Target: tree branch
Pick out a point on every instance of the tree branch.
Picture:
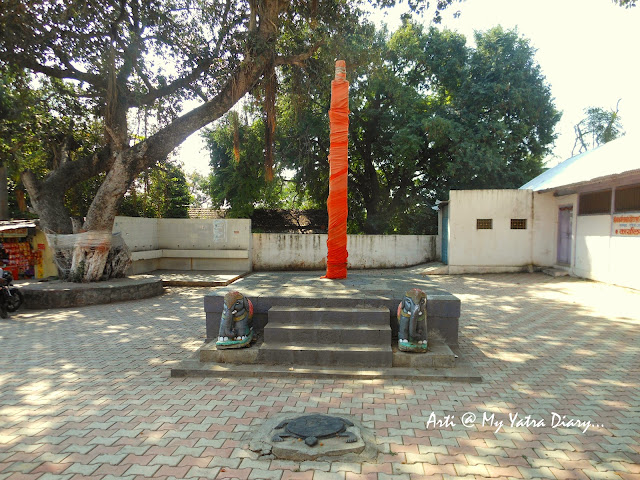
(73, 73)
(298, 59)
(168, 138)
(180, 83)
(71, 173)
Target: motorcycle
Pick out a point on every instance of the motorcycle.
(11, 298)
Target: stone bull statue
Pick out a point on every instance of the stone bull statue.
(236, 326)
(412, 322)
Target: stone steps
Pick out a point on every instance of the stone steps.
(326, 355)
(439, 364)
(327, 336)
(555, 272)
(286, 315)
(301, 333)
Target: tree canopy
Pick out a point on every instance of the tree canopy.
(599, 126)
(130, 59)
(429, 114)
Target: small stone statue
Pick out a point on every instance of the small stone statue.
(311, 428)
(236, 326)
(412, 322)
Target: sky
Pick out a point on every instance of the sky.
(587, 50)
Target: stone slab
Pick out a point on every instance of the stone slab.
(438, 355)
(328, 449)
(245, 363)
(337, 334)
(198, 278)
(193, 368)
(352, 315)
(360, 356)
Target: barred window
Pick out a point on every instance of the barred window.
(595, 202)
(518, 224)
(484, 223)
(628, 199)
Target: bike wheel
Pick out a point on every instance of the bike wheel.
(15, 301)
(3, 310)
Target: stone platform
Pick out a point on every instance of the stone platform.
(429, 366)
(61, 294)
(439, 355)
(310, 327)
(362, 288)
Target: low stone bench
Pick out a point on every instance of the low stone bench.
(170, 259)
(146, 255)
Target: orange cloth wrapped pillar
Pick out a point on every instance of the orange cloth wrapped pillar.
(338, 167)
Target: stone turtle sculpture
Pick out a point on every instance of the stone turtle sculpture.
(412, 322)
(236, 326)
(311, 428)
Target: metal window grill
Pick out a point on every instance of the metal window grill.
(484, 223)
(518, 224)
(594, 203)
(628, 199)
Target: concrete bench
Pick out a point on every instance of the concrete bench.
(146, 255)
(205, 253)
(170, 259)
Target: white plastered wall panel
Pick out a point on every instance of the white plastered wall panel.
(498, 246)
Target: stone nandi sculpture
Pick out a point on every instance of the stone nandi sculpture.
(412, 322)
(236, 326)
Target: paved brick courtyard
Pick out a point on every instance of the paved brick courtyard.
(86, 393)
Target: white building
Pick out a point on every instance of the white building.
(582, 216)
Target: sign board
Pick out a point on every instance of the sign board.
(219, 231)
(626, 224)
(15, 233)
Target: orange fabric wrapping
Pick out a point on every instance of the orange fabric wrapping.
(338, 167)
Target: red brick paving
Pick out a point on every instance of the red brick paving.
(86, 385)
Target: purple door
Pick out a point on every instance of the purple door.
(565, 219)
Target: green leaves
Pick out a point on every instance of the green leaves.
(599, 126)
(160, 192)
(428, 114)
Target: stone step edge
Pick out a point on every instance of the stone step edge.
(363, 309)
(346, 347)
(326, 326)
(193, 368)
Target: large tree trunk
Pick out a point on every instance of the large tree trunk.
(92, 255)
(96, 256)
(88, 253)
(47, 198)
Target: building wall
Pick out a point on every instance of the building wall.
(499, 246)
(624, 262)
(280, 251)
(138, 233)
(275, 251)
(142, 234)
(545, 226)
(204, 234)
(603, 257)
(595, 253)
(592, 247)
(267, 251)
(198, 235)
